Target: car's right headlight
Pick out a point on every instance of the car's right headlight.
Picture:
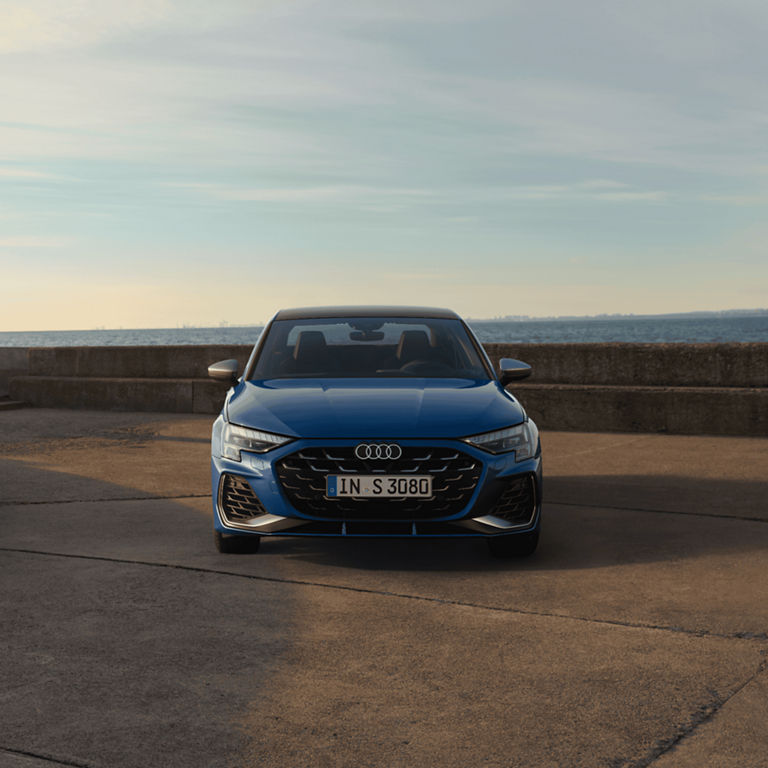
(522, 439)
(235, 438)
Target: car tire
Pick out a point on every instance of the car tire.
(236, 545)
(518, 545)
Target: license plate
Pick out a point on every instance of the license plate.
(378, 486)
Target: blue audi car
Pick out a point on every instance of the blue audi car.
(374, 422)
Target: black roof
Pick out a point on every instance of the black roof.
(302, 313)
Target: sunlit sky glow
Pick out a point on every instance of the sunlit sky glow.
(168, 162)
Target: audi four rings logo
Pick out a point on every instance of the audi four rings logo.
(378, 451)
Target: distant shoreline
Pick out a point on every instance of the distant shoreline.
(703, 315)
(725, 313)
(692, 329)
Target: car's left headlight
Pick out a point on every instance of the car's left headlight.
(521, 439)
(235, 438)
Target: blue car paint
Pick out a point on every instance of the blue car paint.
(374, 408)
(344, 412)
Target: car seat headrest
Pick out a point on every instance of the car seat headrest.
(413, 345)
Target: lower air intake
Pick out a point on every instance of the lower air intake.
(517, 501)
(237, 500)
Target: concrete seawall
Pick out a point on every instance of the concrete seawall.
(719, 389)
(689, 389)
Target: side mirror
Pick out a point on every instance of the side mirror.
(224, 370)
(513, 370)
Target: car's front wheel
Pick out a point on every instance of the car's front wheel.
(517, 545)
(236, 545)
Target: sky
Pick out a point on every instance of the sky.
(199, 162)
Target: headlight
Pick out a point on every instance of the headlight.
(235, 438)
(521, 439)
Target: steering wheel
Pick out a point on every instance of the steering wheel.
(416, 367)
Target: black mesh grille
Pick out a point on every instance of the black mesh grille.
(237, 500)
(517, 501)
(454, 477)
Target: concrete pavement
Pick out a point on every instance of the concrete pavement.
(636, 636)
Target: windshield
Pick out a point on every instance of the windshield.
(366, 347)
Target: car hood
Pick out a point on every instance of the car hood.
(371, 408)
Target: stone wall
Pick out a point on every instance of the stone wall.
(677, 388)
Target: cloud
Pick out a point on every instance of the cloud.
(34, 25)
(300, 85)
(300, 195)
(596, 190)
(26, 174)
(739, 200)
(632, 197)
(367, 196)
(34, 241)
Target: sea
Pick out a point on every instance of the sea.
(726, 328)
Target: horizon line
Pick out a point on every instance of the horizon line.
(755, 312)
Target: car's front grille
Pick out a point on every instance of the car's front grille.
(517, 501)
(454, 477)
(237, 500)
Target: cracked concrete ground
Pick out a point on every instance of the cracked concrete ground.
(635, 637)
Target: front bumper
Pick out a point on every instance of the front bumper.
(273, 514)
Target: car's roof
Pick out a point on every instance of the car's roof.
(301, 313)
